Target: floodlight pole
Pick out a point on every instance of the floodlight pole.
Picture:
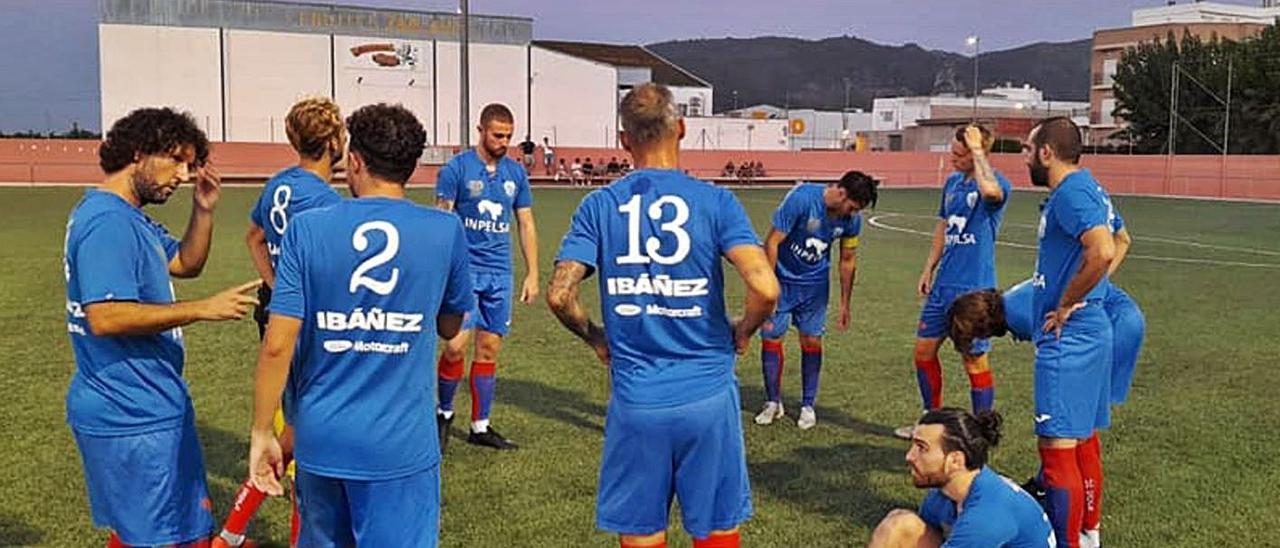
(465, 93)
(977, 49)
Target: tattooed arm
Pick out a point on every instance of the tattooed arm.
(982, 171)
(562, 297)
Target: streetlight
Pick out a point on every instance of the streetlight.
(975, 43)
(735, 99)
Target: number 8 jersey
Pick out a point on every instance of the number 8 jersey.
(656, 238)
(362, 386)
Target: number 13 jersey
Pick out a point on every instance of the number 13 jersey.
(656, 237)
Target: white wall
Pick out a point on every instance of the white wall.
(826, 129)
(498, 75)
(267, 72)
(574, 100)
(734, 134)
(690, 98)
(146, 66)
(359, 80)
(898, 113)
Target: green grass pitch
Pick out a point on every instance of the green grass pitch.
(1191, 459)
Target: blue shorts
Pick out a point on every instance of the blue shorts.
(149, 488)
(398, 512)
(805, 305)
(1073, 376)
(492, 312)
(693, 451)
(1129, 327)
(933, 316)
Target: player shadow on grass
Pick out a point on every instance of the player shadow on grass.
(13, 532)
(226, 465)
(753, 401)
(569, 407)
(834, 481)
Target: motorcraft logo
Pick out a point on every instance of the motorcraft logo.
(338, 346)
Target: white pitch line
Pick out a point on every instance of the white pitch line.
(1250, 250)
(878, 223)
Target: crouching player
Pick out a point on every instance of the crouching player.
(810, 219)
(968, 504)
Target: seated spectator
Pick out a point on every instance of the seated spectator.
(576, 171)
(626, 166)
(562, 172)
(527, 147)
(614, 168)
(730, 170)
(758, 171)
(588, 172)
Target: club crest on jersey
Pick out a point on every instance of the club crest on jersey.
(971, 199)
(475, 187)
(814, 224)
(510, 188)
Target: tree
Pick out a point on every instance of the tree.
(1144, 80)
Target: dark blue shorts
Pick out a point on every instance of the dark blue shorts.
(933, 316)
(149, 488)
(693, 452)
(804, 305)
(398, 512)
(492, 311)
(1073, 376)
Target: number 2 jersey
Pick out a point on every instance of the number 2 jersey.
(368, 277)
(656, 238)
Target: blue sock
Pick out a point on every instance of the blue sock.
(810, 369)
(771, 360)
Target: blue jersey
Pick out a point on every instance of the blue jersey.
(1077, 205)
(657, 237)
(368, 277)
(122, 385)
(485, 201)
(286, 194)
(996, 513)
(804, 256)
(969, 250)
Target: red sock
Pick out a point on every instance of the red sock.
(295, 519)
(246, 504)
(726, 540)
(113, 541)
(1064, 493)
(1089, 456)
(929, 379)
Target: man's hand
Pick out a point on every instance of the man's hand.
(208, 188)
(973, 139)
(231, 304)
(842, 324)
(529, 289)
(925, 283)
(602, 351)
(1054, 321)
(266, 462)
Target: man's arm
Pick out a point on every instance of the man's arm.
(771, 243)
(529, 248)
(935, 255)
(127, 318)
(988, 185)
(193, 251)
(1099, 253)
(256, 240)
(562, 298)
(848, 271)
(762, 290)
(1122, 241)
(266, 461)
